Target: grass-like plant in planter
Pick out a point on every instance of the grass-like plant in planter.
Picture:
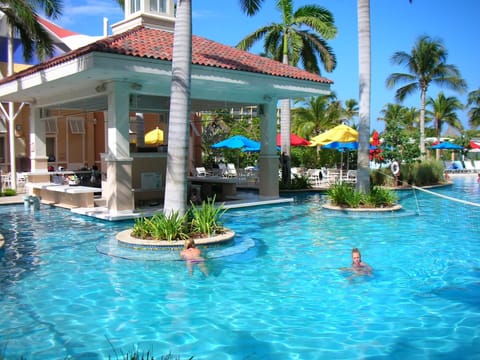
(345, 195)
(198, 221)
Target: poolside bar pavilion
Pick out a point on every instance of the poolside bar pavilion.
(128, 74)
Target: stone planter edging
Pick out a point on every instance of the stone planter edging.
(124, 238)
(339, 208)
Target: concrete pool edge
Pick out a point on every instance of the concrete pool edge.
(124, 238)
(347, 209)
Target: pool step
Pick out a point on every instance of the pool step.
(100, 202)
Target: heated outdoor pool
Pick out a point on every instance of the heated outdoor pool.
(277, 293)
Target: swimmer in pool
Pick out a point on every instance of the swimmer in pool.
(358, 265)
(193, 255)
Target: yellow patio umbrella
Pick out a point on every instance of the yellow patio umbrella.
(340, 133)
(154, 137)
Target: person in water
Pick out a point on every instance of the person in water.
(358, 265)
(193, 255)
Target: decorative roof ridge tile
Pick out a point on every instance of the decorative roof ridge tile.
(153, 43)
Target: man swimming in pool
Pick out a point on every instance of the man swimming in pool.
(193, 255)
(358, 265)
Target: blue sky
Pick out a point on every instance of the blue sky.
(395, 26)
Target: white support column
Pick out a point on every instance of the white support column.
(38, 143)
(268, 158)
(38, 148)
(118, 189)
(140, 129)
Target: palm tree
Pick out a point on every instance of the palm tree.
(474, 104)
(444, 110)
(364, 69)
(406, 118)
(21, 16)
(175, 184)
(350, 110)
(426, 64)
(363, 159)
(291, 42)
(178, 125)
(316, 117)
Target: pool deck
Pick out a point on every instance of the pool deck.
(241, 200)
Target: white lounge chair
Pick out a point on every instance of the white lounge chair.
(351, 176)
(201, 171)
(469, 166)
(477, 165)
(231, 170)
(314, 177)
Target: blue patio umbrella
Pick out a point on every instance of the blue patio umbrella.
(344, 146)
(237, 142)
(447, 146)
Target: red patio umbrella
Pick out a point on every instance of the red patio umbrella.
(375, 154)
(295, 140)
(474, 145)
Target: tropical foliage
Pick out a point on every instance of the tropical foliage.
(444, 110)
(22, 17)
(474, 111)
(291, 38)
(345, 195)
(205, 219)
(401, 135)
(297, 183)
(299, 38)
(161, 227)
(317, 114)
(427, 65)
(198, 221)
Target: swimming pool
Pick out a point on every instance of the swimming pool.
(283, 298)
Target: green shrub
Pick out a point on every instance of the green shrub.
(199, 220)
(297, 183)
(205, 219)
(345, 195)
(428, 172)
(379, 197)
(9, 192)
(378, 177)
(161, 226)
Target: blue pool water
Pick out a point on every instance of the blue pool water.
(277, 293)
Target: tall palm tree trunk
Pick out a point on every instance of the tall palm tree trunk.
(285, 129)
(363, 169)
(11, 115)
(178, 128)
(422, 122)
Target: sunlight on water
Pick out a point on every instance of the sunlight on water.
(276, 292)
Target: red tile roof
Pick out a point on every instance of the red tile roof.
(158, 44)
(57, 30)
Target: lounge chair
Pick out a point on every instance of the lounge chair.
(459, 166)
(477, 165)
(200, 171)
(223, 169)
(314, 177)
(351, 176)
(469, 166)
(231, 170)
